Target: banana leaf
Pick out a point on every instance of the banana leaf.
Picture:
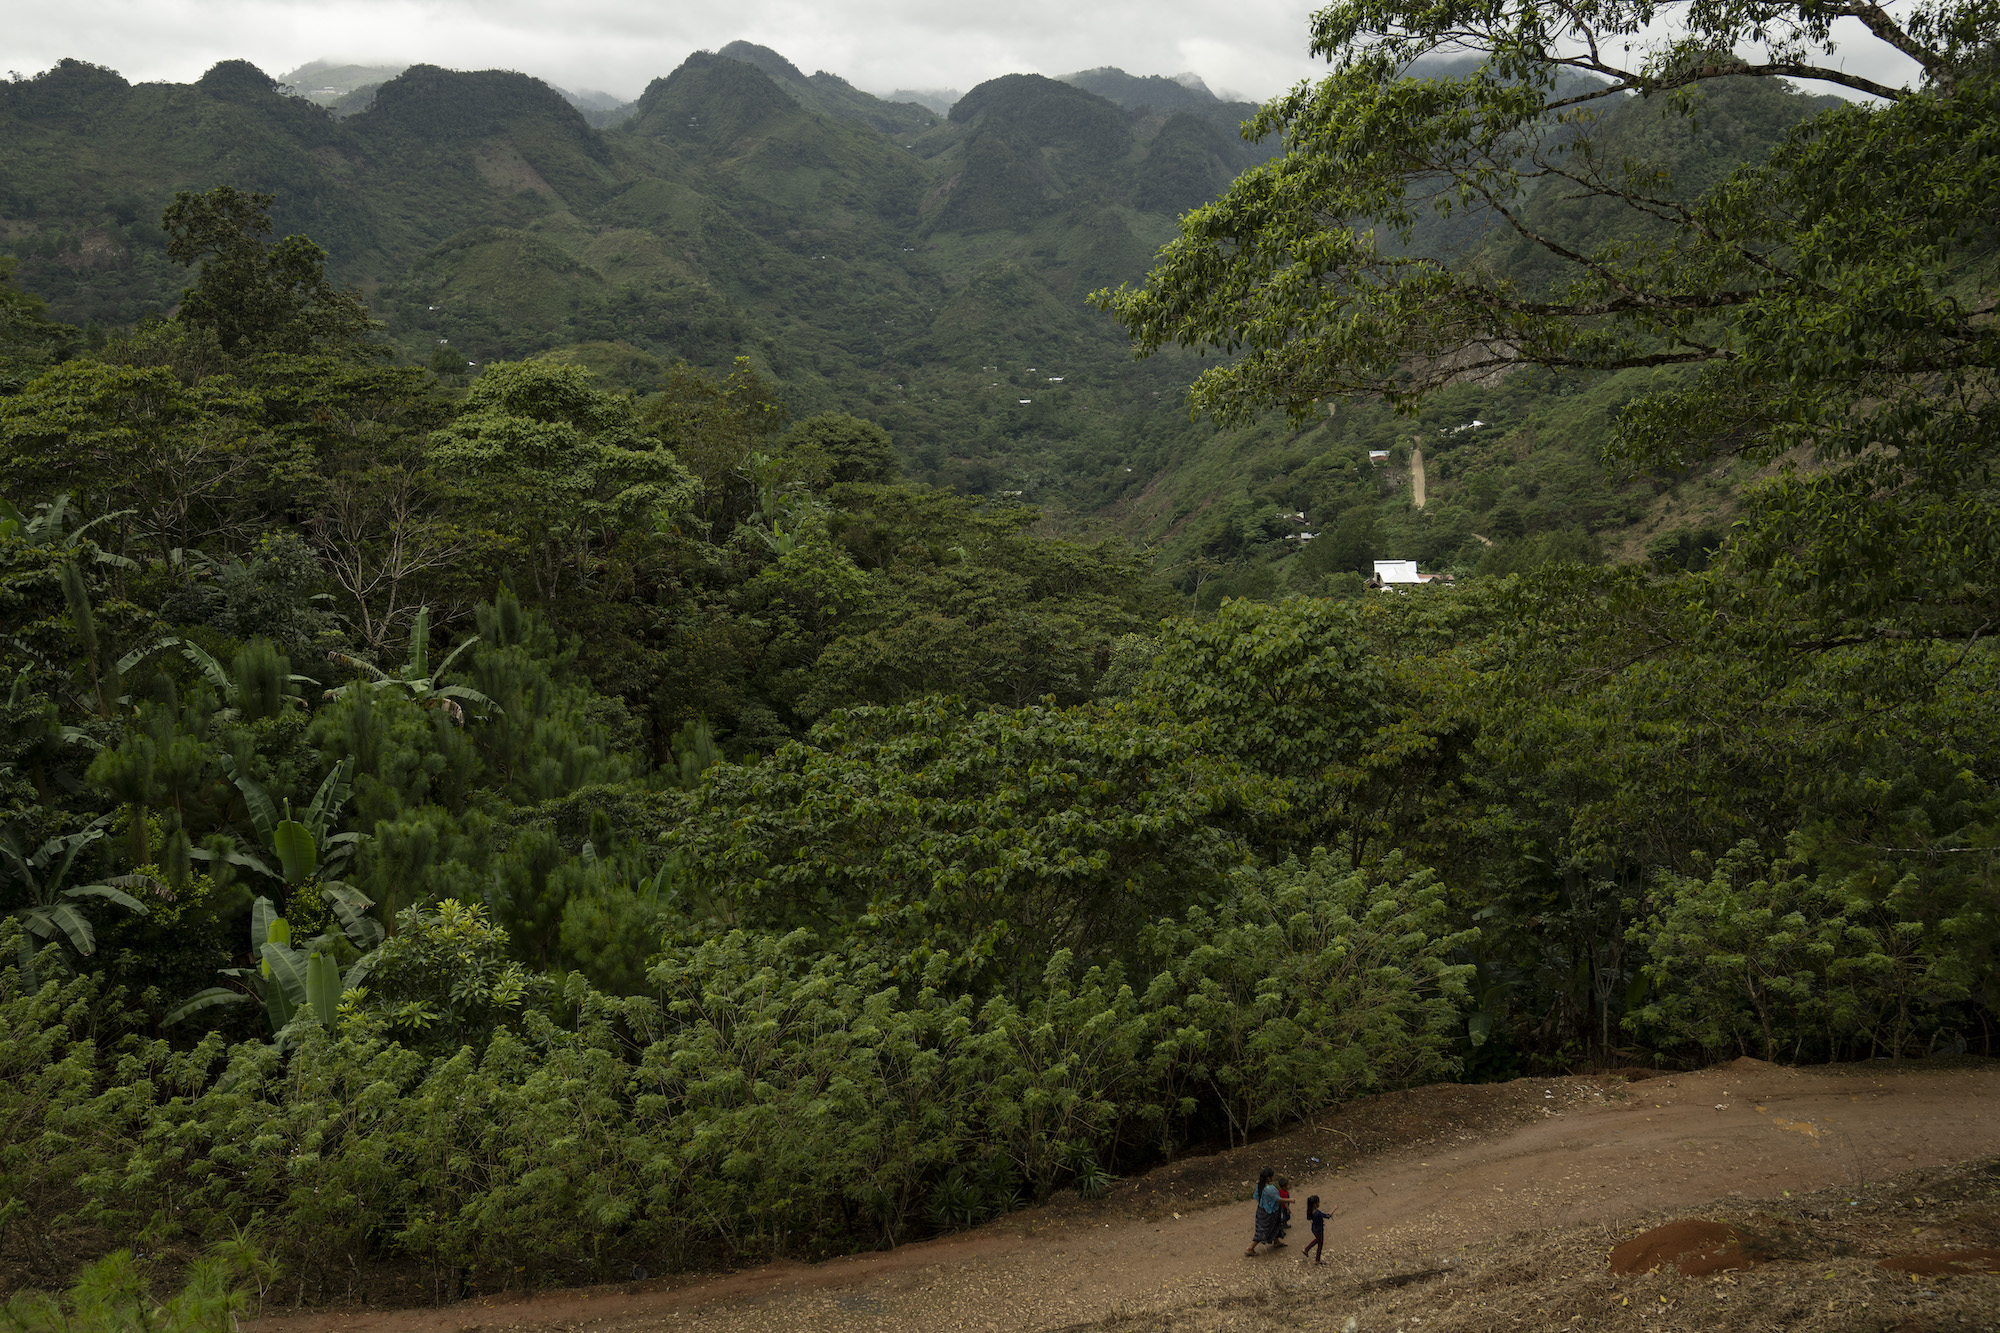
(47, 922)
(285, 990)
(334, 789)
(119, 896)
(359, 972)
(323, 988)
(352, 908)
(297, 850)
(207, 999)
(262, 913)
(263, 814)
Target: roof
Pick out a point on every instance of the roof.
(1397, 571)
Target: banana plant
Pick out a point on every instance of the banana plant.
(42, 877)
(50, 530)
(292, 981)
(234, 692)
(416, 678)
(302, 843)
(36, 735)
(51, 524)
(306, 851)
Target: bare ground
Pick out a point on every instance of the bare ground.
(1458, 1208)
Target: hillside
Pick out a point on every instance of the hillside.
(925, 271)
(1449, 1202)
(506, 787)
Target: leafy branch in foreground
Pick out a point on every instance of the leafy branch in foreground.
(1832, 301)
(1306, 264)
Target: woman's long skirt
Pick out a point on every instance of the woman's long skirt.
(1270, 1226)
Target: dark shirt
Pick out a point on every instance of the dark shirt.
(1318, 1218)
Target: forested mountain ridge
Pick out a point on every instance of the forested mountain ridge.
(481, 209)
(832, 94)
(874, 258)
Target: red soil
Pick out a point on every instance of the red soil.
(1695, 1247)
(1946, 1263)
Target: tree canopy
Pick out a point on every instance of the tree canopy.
(255, 296)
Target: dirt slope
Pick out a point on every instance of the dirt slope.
(1423, 1181)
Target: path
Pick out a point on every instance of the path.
(1598, 1152)
(1417, 475)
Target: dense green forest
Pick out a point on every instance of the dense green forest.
(631, 801)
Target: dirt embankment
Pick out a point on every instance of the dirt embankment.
(1482, 1207)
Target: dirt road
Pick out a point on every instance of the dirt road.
(1417, 480)
(1578, 1150)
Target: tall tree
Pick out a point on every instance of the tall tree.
(258, 297)
(29, 339)
(560, 465)
(1833, 299)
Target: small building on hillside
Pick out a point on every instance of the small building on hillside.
(1379, 457)
(1394, 573)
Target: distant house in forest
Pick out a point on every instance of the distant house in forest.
(1378, 456)
(1390, 573)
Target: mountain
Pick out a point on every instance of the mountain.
(928, 272)
(832, 95)
(327, 82)
(1184, 94)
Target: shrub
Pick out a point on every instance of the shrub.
(1767, 954)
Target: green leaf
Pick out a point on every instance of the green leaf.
(73, 924)
(286, 967)
(262, 914)
(352, 907)
(206, 999)
(334, 789)
(297, 851)
(323, 988)
(263, 814)
(119, 896)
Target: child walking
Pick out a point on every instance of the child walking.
(1316, 1216)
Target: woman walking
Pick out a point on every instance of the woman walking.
(1270, 1215)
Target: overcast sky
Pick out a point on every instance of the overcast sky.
(1253, 47)
(1256, 47)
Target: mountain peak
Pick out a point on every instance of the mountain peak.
(237, 77)
(447, 103)
(712, 100)
(829, 94)
(764, 58)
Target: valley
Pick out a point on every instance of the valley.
(929, 272)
